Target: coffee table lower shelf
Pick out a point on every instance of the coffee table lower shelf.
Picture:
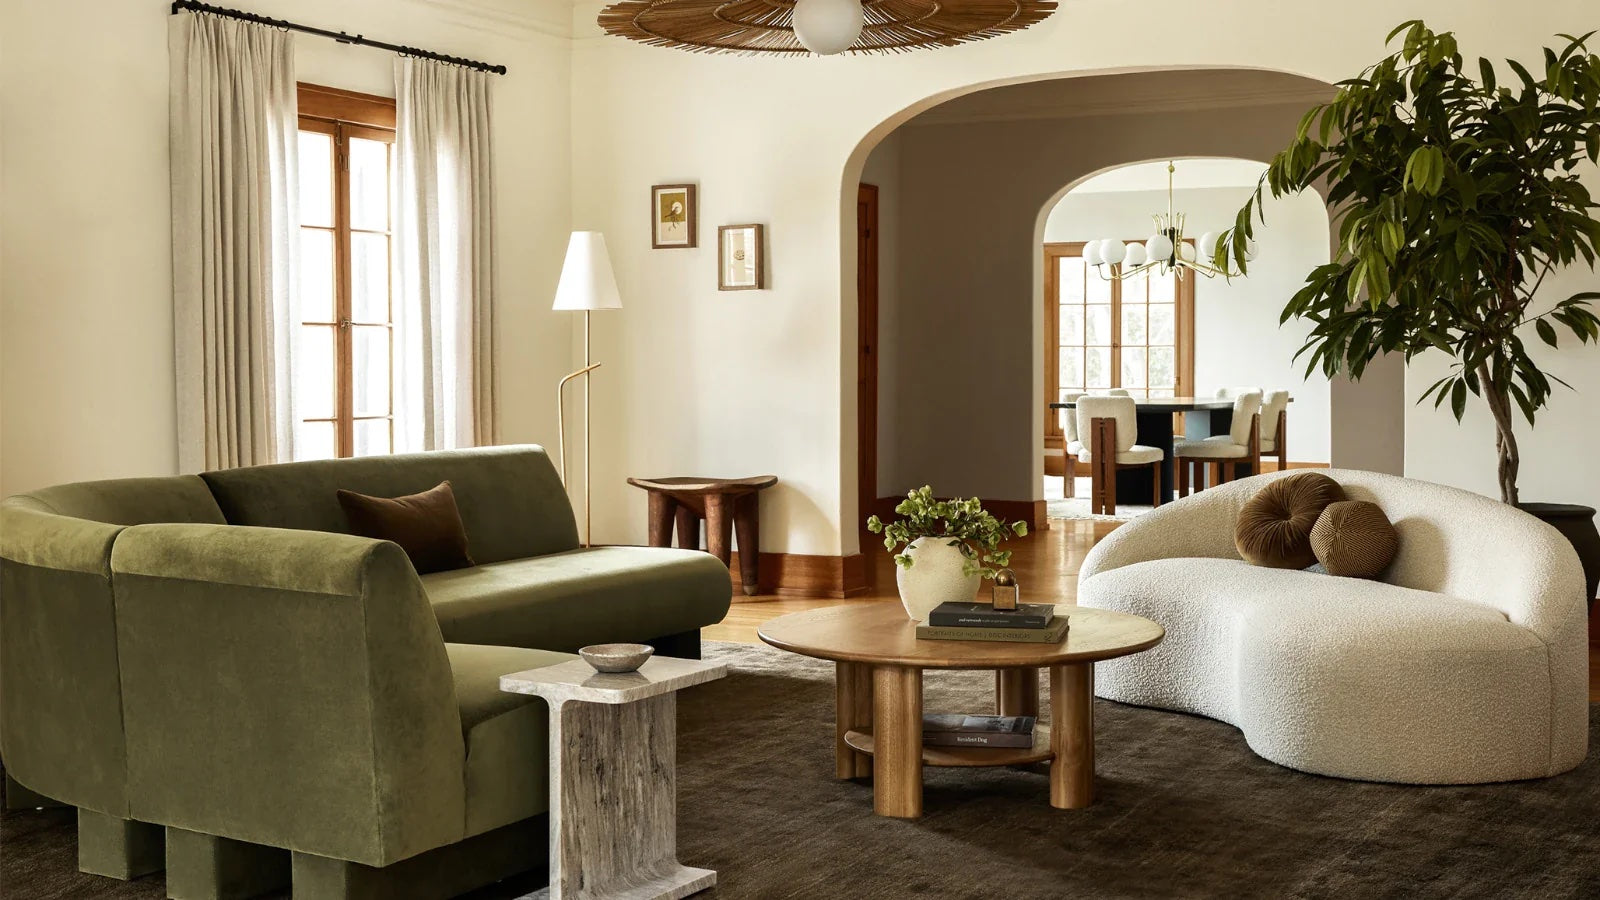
(970, 756)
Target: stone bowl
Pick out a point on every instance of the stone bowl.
(616, 658)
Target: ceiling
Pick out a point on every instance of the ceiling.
(1167, 90)
(1189, 174)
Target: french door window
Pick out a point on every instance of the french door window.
(1136, 334)
(344, 351)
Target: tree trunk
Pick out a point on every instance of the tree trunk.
(1505, 439)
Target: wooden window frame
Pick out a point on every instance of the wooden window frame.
(1183, 340)
(344, 115)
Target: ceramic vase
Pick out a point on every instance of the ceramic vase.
(935, 576)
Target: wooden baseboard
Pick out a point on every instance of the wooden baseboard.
(802, 575)
(1271, 465)
(1034, 512)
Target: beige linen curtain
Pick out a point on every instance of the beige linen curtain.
(233, 135)
(444, 322)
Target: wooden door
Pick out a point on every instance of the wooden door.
(867, 345)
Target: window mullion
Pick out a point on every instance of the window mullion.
(343, 368)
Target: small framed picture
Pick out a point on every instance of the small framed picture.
(674, 218)
(741, 258)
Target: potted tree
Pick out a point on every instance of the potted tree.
(1454, 195)
(948, 546)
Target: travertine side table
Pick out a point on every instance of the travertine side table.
(613, 778)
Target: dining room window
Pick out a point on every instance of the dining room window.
(344, 350)
(1136, 334)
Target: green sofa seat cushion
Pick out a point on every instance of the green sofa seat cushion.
(564, 601)
(507, 735)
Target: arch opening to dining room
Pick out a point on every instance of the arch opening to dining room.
(1177, 334)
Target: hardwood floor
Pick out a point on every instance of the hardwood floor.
(1046, 564)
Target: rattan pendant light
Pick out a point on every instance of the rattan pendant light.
(768, 26)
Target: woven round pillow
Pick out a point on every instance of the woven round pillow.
(1354, 538)
(1274, 526)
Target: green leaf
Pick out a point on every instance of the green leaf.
(1458, 399)
(1486, 72)
(1547, 332)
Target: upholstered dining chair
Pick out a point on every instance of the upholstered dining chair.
(1222, 453)
(1118, 392)
(1109, 429)
(1074, 445)
(1275, 427)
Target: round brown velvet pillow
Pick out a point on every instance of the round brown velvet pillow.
(1354, 538)
(1274, 527)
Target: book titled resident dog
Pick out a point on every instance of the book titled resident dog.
(947, 730)
(984, 615)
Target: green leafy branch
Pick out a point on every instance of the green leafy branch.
(964, 522)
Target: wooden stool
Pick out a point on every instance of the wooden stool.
(726, 504)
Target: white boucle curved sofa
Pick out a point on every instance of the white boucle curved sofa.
(1467, 663)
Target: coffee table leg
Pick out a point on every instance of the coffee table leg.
(897, 741)
(852, 691)
(1016, 692)
(1072, 735)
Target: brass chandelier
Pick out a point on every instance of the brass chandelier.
(1166, 251)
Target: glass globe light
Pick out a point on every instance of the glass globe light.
(1136, 255)
(1091, 254)
(1208, 244)
(1159, 247)
(1186, 251)
(827, 27)
(1112, 251)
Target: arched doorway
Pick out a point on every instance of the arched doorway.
(964, 189)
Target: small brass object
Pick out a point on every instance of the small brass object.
(1007, 594)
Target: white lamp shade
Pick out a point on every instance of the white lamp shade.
(1186, 251)
(1136, 255)
(1112, 251)
(827, 27)
(1091, 254)
(1159, 247)
(1208, 244)
(586, 278)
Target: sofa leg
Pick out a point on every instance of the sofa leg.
(206, 867)
(683, 645)
(117, 848)
(19, 797)
(447, 871)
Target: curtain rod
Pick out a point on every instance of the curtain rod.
(340, 36)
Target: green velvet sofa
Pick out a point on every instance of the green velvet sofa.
(229, 687)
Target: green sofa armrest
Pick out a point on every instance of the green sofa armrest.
(60, 708)
(287, 688)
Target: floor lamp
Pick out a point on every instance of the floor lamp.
(587, 284)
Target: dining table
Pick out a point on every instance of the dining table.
(1203, 417)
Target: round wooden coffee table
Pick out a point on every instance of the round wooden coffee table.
(878, 692)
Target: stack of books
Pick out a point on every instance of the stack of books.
(945, 730)
(1031, 623)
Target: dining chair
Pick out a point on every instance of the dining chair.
(1110, 429)
(1222, 453)
(1074, 445)
(1118, 392)
(1275, 427)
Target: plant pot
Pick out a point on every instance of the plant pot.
(1576, 523)
(935, 576)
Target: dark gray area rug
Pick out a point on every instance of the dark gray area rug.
(1184, 809)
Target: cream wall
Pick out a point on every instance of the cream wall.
(758, 382)
(86, 358)
(1238, 340)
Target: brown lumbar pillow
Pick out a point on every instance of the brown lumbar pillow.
(1354, 538)
(1274, 527)
(427, 525)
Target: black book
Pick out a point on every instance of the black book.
(977, 731)
(984, 615)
